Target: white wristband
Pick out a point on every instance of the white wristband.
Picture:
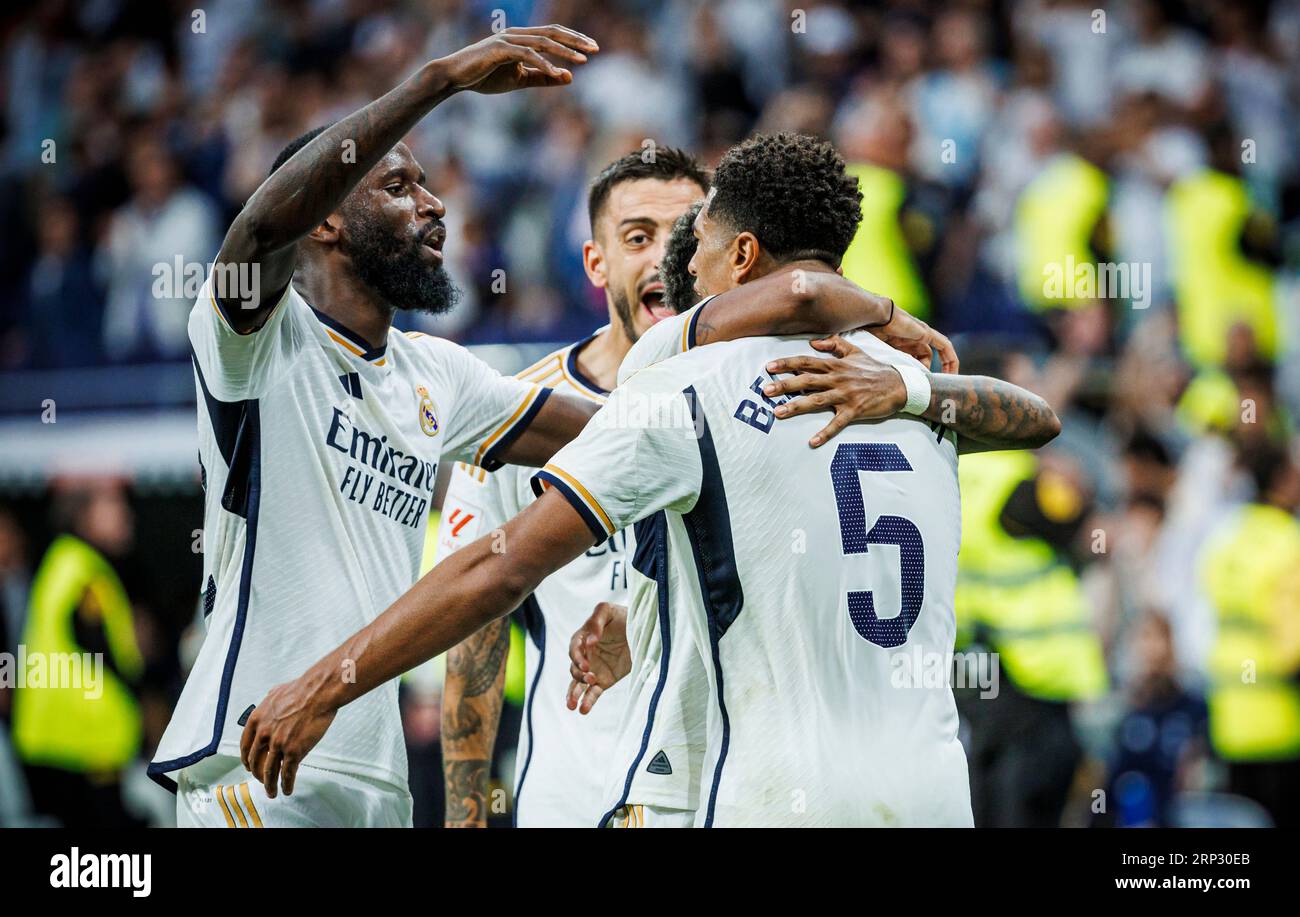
(917, 383)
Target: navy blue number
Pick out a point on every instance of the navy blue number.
(850, 458)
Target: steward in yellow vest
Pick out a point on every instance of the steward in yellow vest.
(881, 255)
(71, 711)
(1209, 216)
(1058, 216)
(1018, 596)
(1016, 590)
(1250, 572)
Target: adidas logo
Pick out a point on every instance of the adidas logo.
(659, 764)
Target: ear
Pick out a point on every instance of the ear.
(328, 231)
(593, 262)
(744, 256)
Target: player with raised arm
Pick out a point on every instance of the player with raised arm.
(321, 431)
(634, 464)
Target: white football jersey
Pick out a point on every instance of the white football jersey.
(816, 585)
(563, 757)
(319, 456)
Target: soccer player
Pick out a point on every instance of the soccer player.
(561, 762)
(321, 431)
(765, 554)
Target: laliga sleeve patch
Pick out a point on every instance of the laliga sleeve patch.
(459, 526)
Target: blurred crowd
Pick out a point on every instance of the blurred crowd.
(1100, 202)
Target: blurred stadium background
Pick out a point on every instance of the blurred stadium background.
(1156, 544)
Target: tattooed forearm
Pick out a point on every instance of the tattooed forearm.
(990, 414)
(466, 783)
(471, 712)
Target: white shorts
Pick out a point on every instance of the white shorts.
(218, 793)
(640, 816)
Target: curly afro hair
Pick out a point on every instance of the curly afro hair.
(679, 285)
(792, 192)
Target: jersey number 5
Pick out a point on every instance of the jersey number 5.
(851, 458)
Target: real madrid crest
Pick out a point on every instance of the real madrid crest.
(428, 422)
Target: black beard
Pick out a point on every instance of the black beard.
(623, 309)
(395, 269)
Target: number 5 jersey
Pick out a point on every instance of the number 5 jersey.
(791, 620)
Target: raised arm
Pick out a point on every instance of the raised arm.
(476, 585)
(299, 195)
(987, 414)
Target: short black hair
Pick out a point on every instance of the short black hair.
(664, 163)
(792, 192)
(296, 144)
(679, 285)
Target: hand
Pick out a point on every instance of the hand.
(914, 337)
(279, 733)
(513, 59)
(852, 384)
(598, 656)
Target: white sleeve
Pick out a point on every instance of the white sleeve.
(638, 455)
(476, 503)
(491, 410)
(234, 366)
(664, 339)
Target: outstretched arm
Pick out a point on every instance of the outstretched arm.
(986, 413)
(309, 187)
(472, 587)
(471, 714)
(560, 420)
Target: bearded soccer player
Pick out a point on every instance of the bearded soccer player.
(634, 463)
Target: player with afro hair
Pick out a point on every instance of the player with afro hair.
(792, 192)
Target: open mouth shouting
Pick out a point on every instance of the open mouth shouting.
(432, 240)
(652, 300)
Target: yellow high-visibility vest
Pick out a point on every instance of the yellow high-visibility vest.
(1019, 592)
(1216, 285)
(1055, 219)
(1248, 571)
(74, 724)
(879, 258)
